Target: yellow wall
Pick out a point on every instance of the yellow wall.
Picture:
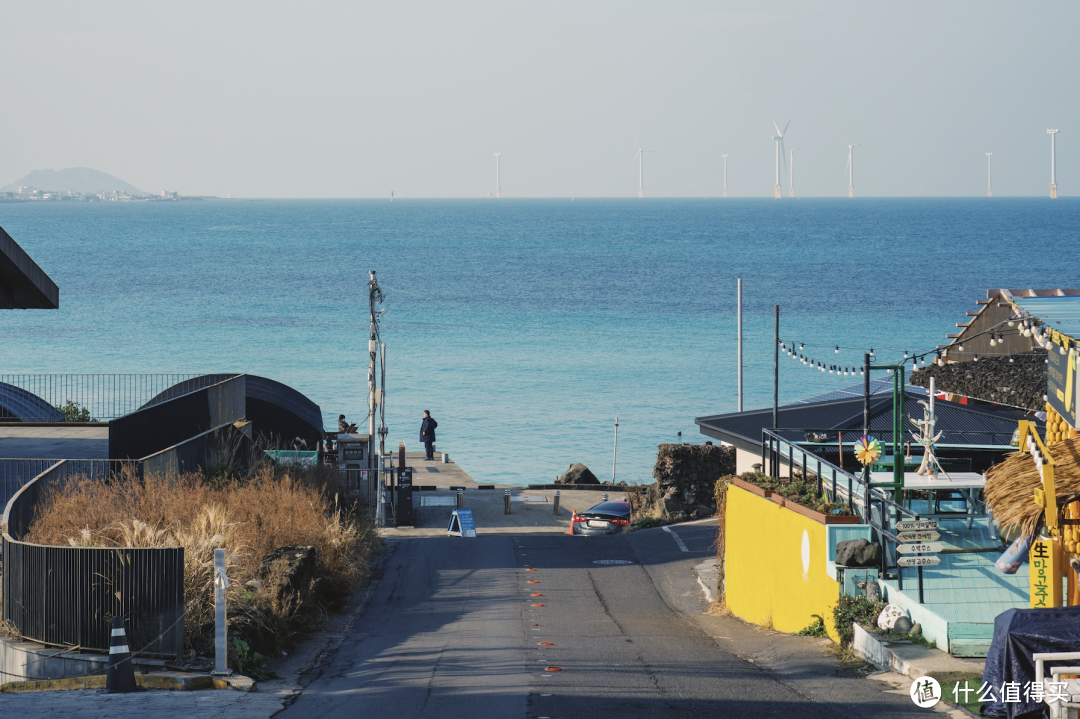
(764, 578)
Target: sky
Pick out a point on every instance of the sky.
(361, 99)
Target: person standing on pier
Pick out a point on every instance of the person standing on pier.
(427, 434)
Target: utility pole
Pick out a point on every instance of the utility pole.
(776, 371)
(615, 452)
(382, 406)
(725, 174)
(375, 295)
(740, 343)
(989, 184)
(1053, 164)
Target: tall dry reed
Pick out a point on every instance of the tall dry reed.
(248, 518)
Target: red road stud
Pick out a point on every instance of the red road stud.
(553, 669)
(545, 644)
(530, 569)
(537, 594)
(536, 625)
(533, 581)
(538, 605)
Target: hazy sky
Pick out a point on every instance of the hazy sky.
(357, 99)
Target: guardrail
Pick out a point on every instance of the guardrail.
(67, 596)
(37, 397)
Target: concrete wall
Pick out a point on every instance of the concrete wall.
(776, 565)
(20, 661)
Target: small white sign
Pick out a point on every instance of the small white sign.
(923, 548)
(917, 536)
(918, 561)
(919, 525)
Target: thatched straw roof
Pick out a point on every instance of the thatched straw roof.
(1010, 486)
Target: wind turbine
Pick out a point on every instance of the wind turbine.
(1053, 169)
(498, 190)
(779, 137)
(791, 173)
(989, 185)
(638, 157)
(850, 181)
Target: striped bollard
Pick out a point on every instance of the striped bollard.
(120, 675)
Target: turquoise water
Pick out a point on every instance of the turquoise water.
(525, 326)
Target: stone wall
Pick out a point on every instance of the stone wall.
(1020, 383)
(686, 477)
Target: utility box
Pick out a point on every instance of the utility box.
(354, 462)
(403, 509)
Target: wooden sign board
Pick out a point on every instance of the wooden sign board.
(917, 536)
(918, 561)
(923, 548)
(917, 525)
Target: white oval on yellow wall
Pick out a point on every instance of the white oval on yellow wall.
(805, 555)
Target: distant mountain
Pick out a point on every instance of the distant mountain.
(79, 179)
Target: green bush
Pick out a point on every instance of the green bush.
(75, 412)
(645, 523)
(850, 610)
(816, 628)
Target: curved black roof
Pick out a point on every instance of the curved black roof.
(18, 404)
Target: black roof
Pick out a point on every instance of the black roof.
(960, 424)
(23, 285)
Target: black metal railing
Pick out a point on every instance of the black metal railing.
(98, 397)
(875, 506)
(827, 437)
(67, 596)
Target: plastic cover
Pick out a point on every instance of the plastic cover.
(1018, 634)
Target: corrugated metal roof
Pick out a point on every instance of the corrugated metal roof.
(1060, 313)
(856, 390)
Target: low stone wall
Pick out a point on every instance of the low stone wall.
(686, 476)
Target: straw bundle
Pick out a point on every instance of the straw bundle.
(1010, 486)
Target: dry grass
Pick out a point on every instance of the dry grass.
(1010, 486)
(248, 518)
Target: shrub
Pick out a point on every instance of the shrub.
(645, 523)
(815, 628)
(850, 610)
(248, 518)
(75, 412)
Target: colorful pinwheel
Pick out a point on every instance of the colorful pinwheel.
(867, 450)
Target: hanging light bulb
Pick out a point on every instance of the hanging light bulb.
(993, 340)
(837, 349)
(905, 354)
(830, 369)
(976, 358)
(961, 348)
(1010, 359)
(871, 353)
(802, 346)
(862, 371)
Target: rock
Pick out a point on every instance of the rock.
(916, 631)
(288, 568)
(858, 553)
(902, 625)
(873, 591)
(578, 474)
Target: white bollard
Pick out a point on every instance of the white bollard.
(445, 458)
(221, 647)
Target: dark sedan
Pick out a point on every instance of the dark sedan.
(604, 518)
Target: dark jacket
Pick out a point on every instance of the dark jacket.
(427, 430)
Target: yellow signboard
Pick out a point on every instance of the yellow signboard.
(1045, 563)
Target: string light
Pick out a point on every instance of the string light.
(837, 349)
(976, 358)
(993, 340)
(802, 346)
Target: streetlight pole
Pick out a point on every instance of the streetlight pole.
(776, 371)
(740, 338)
(615, 452)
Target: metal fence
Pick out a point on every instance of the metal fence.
(67, 596)
(37, 397)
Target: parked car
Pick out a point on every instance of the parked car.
(604, 518)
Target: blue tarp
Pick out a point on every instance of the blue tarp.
(1019, 633)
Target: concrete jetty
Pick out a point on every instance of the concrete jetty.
(531, 510)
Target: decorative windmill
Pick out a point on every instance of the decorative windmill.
(926, 437)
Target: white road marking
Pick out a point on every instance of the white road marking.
(676, 538)
(708, 593)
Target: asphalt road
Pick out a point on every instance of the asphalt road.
(453, 630)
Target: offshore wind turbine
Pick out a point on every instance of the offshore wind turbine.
(791, 173)
(725, 174)
(850, 180)
(638, 157)
(1053, 163)
(779, 137)
(498, 189)
(989, 185)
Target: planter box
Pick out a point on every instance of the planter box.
(794, 506)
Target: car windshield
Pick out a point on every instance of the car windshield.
(619, 508)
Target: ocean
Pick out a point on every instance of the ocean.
(525, 326)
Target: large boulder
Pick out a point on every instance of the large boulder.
(578, 474)
(288, 569)
(858, 553)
